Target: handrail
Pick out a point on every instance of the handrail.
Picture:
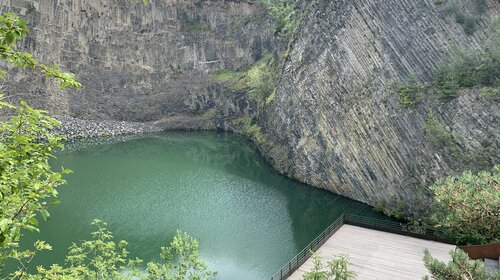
(304, 255)
(349, 219)
(395, 227)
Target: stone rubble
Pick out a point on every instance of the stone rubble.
(74, 128)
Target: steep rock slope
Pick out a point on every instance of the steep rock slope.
(335, 122)
(143, 62)
(338, 125)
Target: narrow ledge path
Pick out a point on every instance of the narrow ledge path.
(378, 255)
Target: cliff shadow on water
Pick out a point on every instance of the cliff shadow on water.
(215, 186)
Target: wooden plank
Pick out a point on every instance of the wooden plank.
(379, 255)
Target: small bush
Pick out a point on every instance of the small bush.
(469, 25)
(480, 6)
(451, 8)
(490, 93)
(411, 93)
(337, 269)
(468, 22)
(446, 82)
(437, 133)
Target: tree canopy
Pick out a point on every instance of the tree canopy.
(467, 208)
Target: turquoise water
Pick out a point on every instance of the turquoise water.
(248, 219)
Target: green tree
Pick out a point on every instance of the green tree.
(14, 28)
(27, 181)
(104, 258)
(466, 208)
(461, 267)
(336, 269)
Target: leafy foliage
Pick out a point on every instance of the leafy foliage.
(461, 267)
(251, 128)
(257, 81)
(437, 134)
(471, 68)
(12, 29)
(464, 69)
(467, 207)
(336, 269)
(464, 209)
(27, 181)
(181, 261)
(467, 19)
(285, 17)
(104, 258)
(490, 93)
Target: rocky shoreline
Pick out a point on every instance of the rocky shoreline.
(74, 128)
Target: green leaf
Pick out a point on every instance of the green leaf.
(31, 228)
(55, 201)
(45, 214)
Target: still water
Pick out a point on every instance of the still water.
(248, 219)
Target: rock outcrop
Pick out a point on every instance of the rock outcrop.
(338, 125)
(142, 63)
(335, 122)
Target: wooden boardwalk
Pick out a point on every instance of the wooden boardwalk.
(379, 255)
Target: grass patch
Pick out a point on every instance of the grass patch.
(250, 128)
(257, 81)
(490, 93)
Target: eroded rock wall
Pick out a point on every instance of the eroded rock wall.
(147, 63)
(338, 125)
(335, 123)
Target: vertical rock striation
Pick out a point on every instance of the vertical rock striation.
(148, 63)
(338, 125)
(336, 121)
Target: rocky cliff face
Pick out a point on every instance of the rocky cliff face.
(335, 122)
(148, 63)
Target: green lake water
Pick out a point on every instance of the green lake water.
(248, 219)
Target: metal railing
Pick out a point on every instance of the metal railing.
(304, 255)
(366, 222)
(395, 227)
